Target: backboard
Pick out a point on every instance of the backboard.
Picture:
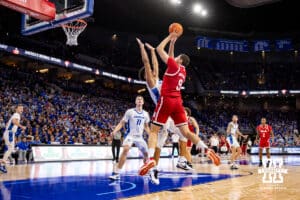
(66, 11)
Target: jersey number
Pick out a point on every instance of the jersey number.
(179, 84)
(138, 122)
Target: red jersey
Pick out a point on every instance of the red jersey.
(173, 79)
(264, 132)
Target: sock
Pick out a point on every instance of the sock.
(181, 159)
(117, 170)
(151, 152)
(201, 145)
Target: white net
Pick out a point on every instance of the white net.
(73, 30)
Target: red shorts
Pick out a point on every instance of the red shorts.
(189, 143)
(169, 107)
(264, 144)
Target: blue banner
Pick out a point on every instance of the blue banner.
(283, 45)
(261, 45)
(243, 45)
(222, 44)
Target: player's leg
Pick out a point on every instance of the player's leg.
(268, 156)
(10, 144)
(126, 147)
(260, 152)
(180, 120)
(152, 142)
(113, 149)
(189, 155)
(161, 140)
(160, 117)
(118, 150)
(183, 155)
(238, 153)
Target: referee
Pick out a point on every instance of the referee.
(116, 144)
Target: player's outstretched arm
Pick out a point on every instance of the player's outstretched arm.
(161, 47)
(154, 60)
(239, 133)
(146, 62)
(147, 128)
(118, 127)
(171, 47)
(16, 122)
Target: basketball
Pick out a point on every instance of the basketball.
(177, 28)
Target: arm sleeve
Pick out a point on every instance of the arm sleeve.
(172, 66)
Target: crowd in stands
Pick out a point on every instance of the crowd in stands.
(234, 76)
(60, 113)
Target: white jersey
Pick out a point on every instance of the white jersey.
(155, 91)
(136, 121)
(10, 127)
(233, 128)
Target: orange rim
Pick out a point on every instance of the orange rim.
(76, 27)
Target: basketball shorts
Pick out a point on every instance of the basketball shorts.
(264, 144)
(232, 141)
(138, 141)
(9, 138)
(169, 107)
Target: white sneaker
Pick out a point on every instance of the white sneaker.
(234, 166)
(183, 165)
(115, 176)
(153, 175)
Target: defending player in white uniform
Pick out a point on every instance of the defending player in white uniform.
(232, 134)
(137, 120)
(9, 135)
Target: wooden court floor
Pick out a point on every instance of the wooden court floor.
(218, 182)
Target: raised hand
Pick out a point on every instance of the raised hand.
(150, 47)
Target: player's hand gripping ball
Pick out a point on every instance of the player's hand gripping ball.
(176, 28)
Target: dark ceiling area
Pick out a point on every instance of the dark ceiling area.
(153, 17)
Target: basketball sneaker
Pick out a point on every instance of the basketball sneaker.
(183, 165)
(268, 164)
(153, 175)
(3, 169)
(115, 176)
(234, 166)
(189, 164)
(146, 167)
(260, 164)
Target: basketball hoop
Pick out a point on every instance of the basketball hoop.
(73, 30)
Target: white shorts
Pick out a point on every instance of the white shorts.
(174, 129)
(9, 139)
(232, 141)
(139, 142)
